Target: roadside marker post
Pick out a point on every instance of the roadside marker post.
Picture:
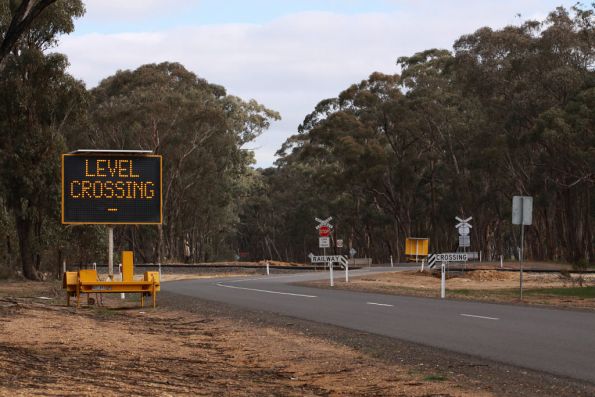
(330, 266)
(347, 272)
(422, 265)
(443, 281)
(501, 261)
(268, 271)
(391, 261)
(122, 295)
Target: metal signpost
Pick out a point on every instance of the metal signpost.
(443, 281)
(111, 187)
(445, 258)
(324, 228)
(522, 214)
(463, 227)
(330, 259)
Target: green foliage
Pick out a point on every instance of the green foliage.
(508, 112)
(578, 292)
(41, 98)
(200, 131)
(435, 378)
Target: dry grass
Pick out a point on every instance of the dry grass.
(53, 350)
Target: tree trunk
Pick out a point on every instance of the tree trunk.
(25, 247)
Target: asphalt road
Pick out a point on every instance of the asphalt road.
(560, 342)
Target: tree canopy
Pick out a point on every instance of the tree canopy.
(455, 133)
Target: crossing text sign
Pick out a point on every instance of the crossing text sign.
(111, 189)
(452, 257)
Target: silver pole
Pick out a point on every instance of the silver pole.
(522, 242)
(521, 256)
(110, 253)
(443, 281)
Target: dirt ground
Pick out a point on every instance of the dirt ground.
(490, 285)
(49, 349)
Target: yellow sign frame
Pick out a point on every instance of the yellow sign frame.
(115, 155)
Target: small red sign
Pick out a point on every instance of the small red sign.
(324, 231)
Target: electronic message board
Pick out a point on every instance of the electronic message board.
(111, 189)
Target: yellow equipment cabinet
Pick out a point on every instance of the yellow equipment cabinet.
(416, 247)
(86, 282)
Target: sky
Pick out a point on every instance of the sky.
(286, 54)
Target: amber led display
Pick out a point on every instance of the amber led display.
(111, 189)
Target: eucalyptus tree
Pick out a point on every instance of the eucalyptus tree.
(38, 101)
(200, 130)
(508, 112)
(16, 17)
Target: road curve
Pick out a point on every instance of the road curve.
(560, 342)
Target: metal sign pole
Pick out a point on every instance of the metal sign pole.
(522, 244)
(443, 281)
(522, 214)
(110, 252)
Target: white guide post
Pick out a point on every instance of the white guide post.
(422, 265)
(347, 272)
(330, 266)
(110, 253)
(123, 295)
(443, 281)
(268, 271)
(391, 261)
(501, 261)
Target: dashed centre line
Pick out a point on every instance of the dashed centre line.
(483, 317)
(379, 304)
(266, 291)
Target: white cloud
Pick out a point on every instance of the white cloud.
(290, 63)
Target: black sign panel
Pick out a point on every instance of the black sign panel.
(111, 189)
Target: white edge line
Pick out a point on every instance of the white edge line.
(379, 304)
(241, 280)
(266, 291)
(484, 317)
